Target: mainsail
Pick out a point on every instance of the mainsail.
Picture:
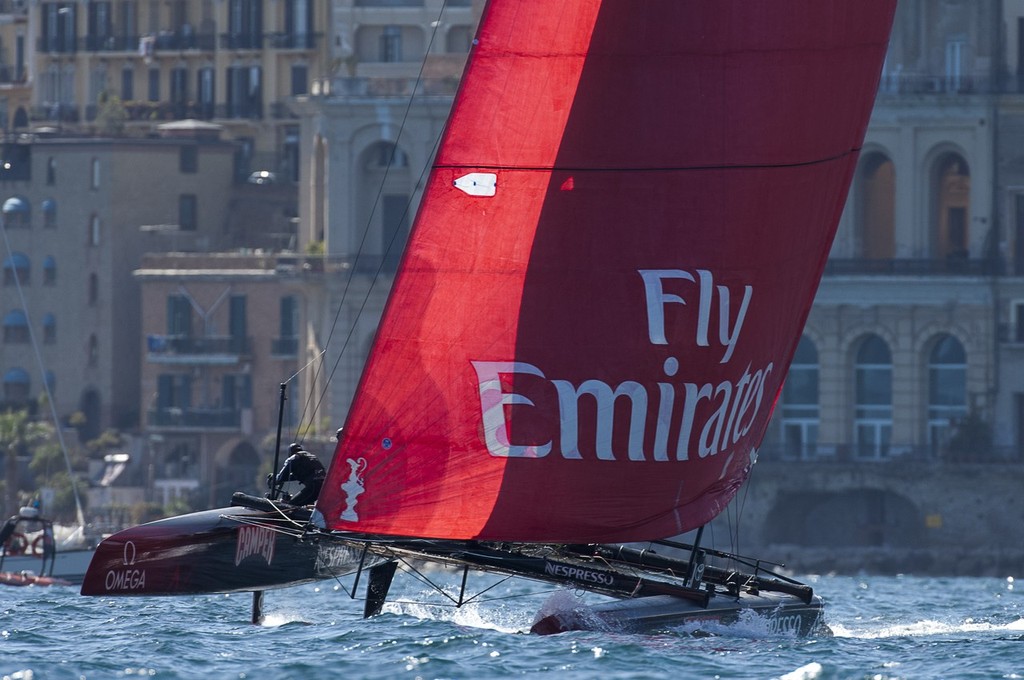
(615, 254)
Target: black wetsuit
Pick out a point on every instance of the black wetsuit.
(307, 469)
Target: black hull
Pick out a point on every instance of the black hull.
(781, 614)
(226, 550)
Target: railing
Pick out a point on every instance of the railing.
(387, 87)
(774, 452)
(914, 267)
(178, 41)
(284, 347)
(197, 345)
(174, 417)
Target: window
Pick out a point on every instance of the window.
(49, 271)
(300, 79)
(93, 359)
(395, 219)
(17, 213)
(51, 171)
(206, 93)
(16, 327)
(16, 384)
(187, 212)
(800, 411)
(238, 323)
(188, 158)
(179, 91)
(873, 398)
(245, 24)
(179, 316)
(154, 85)
(391, 44)
(17, 270)
(298, 24)
(947, 389)
(245, 92)
(94, 289)
(49, 213)
(173, 390)
(94, 174)
(49, 329)
(287, 342)
(95, 230)
(127, 82)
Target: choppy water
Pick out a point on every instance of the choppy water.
(885, 627)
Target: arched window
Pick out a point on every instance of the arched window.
(94, 174)
(49, 270)
(16, 384)
(94, 289)
(17, 269)
(16, 326)
(873, 398)
(51, 171)
(800, 411)
(952, 200)
(49, 329)
(875, 232)
(17, 212)
(947, 388)
(49, 207)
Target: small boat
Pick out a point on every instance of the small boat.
(31, 554)
(617, 248)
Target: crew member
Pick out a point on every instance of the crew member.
(305, 468)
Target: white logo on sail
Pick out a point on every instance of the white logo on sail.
(352, 488)
(478, 183)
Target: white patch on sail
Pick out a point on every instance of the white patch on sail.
(352, 488)
(725, 466)
(478, 183)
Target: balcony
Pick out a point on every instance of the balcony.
(294, 41)
(241, 41)
(177, 41)
(777, 453)
(387, 87)
(187, 418)
(914, 267)
(210, 349)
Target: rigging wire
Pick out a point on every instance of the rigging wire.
(79, 513)
(314, 408)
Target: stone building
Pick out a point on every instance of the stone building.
(78, 213)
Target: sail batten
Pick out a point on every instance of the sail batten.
(617, 248)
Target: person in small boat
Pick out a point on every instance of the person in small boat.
(307, 470)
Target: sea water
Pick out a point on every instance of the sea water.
(884, 627)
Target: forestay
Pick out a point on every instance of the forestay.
(614, 257)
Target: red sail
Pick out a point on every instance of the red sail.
(611, 267)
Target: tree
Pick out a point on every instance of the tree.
(18, 437)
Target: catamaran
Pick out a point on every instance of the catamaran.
(617, 248)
